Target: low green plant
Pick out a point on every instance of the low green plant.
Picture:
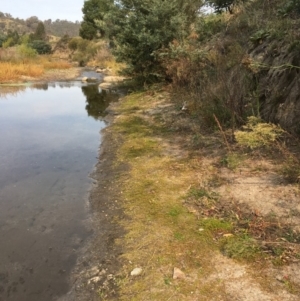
(240, 247)
(215, 225)
(198, 193)
(291, 6)
(232, 160)
(259, 36)
(257, 134)
(291, 170)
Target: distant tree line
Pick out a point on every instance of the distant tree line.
(57, 28)
(36, 41)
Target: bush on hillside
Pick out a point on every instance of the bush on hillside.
(41, 47)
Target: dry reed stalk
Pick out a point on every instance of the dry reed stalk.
(223, 133)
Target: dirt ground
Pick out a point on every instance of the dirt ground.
(56, 75)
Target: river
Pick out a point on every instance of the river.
(50, 138)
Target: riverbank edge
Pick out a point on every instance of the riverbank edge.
(165, 249)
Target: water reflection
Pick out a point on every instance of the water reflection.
(14, 90)
(41, 86)
(48, 147)
(97, 100)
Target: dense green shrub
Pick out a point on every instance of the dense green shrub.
(41, 47)
(291, 6)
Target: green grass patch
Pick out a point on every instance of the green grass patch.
(215, 225)
(241, 247)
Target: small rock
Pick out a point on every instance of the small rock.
(279, 278)
(102, 272)
(113, 79)
(94, 280)
(136, 272)
(93, 272)
(228, 235)
(84, 79)
(178, 274)
(91, 79)
(105, 85)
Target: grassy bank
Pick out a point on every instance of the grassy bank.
(16, 71)
(178, 196)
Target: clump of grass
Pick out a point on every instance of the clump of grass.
(216, 225)
(14, 71)
(241, 247)
(257, 134)
(290, 169)
(22, 61)
(232, 160)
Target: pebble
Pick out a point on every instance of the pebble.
(178, 274)
(94, 280)
(136, 272)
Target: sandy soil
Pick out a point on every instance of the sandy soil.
(56, 75)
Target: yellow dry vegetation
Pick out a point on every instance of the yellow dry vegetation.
(16, 70)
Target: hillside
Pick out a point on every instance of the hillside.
(57, 28)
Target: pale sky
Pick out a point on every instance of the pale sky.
(43, 9)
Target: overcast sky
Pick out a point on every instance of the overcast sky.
(43, 9)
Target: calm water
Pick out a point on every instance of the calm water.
(49, 140)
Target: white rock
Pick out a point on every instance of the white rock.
(84, 79)
(178, 274)
(92, 79)
(93, 272)
(136, 272)
(94, 280)
(113, 79)
(105, 85)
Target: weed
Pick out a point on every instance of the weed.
(167, 281)
(216, 225)
(174, 212)
(257, 133)
(232, 160)
(259, 36)
(198, 193)
(241, 247)
(178, 236)
(290, 169)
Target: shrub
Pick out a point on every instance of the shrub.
(8, 43)
(26, 52)
(41, 47)
(257, 133)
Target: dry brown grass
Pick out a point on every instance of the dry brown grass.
(53, 64)
(13, 68)
(14, 71)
